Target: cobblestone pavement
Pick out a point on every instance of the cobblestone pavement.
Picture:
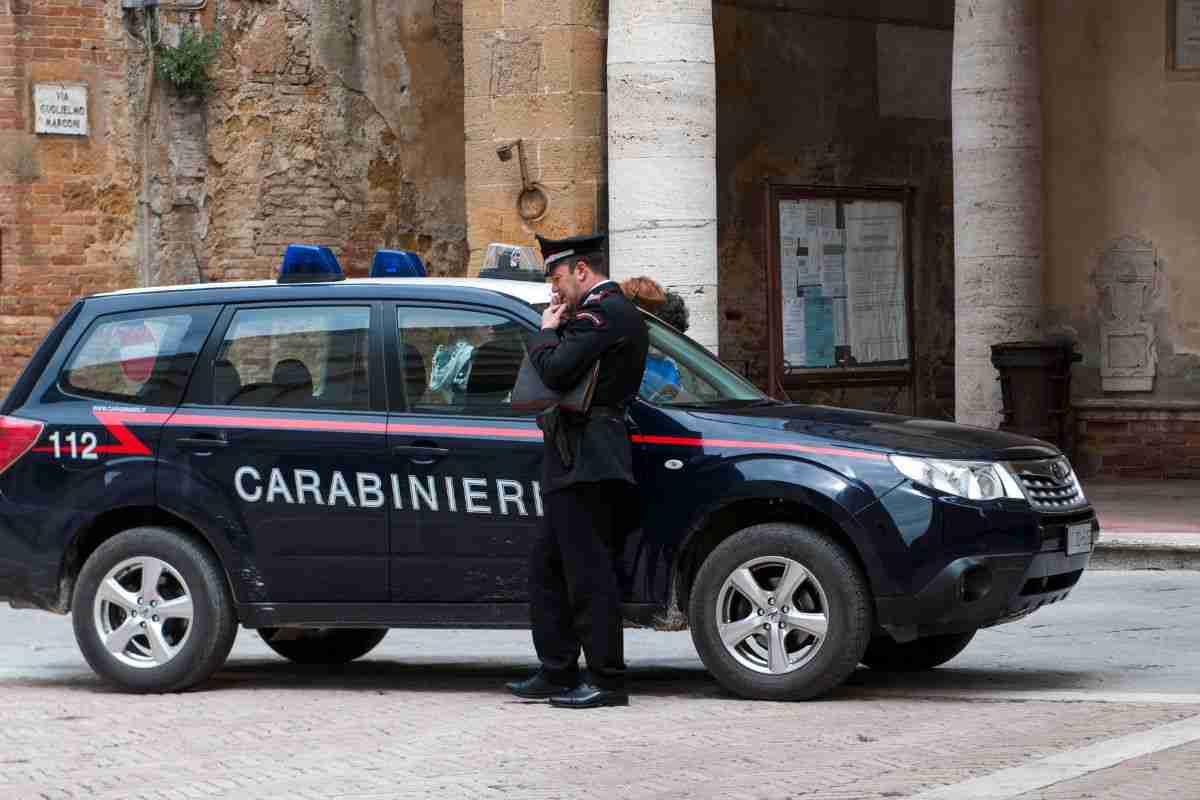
(425, 717)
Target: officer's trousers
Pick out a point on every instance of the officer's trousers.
(574, 593)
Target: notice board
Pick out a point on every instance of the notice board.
(839, 285)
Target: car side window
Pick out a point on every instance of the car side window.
(142, 357)
(667, 381)
(681, 372)
(459, 360)
(313, 357)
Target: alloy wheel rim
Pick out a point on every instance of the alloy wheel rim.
(143, 612)
(772, 615)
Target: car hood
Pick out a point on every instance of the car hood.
(886, 432)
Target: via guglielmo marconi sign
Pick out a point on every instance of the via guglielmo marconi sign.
(61, 108)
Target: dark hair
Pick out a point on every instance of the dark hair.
(674, 312)
(596, 262)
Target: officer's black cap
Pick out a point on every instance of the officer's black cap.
(555, 250)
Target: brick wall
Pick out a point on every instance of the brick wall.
(1137, 439)
(65, 201)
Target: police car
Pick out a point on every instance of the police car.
(324, 459)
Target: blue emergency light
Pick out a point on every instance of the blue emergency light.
(397, 264)
(307, 263)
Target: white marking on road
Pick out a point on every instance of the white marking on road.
(1030, 696)
(1016, 781)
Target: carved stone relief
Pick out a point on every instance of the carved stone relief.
(1128, 278)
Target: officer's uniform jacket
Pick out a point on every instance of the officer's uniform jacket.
(609, 327)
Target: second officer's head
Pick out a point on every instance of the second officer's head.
(574, 266)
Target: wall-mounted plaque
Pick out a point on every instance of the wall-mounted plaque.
(61, 108)
(1127, 278)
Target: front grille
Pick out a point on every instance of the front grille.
(1050, 484)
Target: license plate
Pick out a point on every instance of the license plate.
(1079, 539)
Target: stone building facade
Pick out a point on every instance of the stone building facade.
(1042, 150)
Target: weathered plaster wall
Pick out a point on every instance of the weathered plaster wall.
(1120, 160)
(337, 122)
(804, 96)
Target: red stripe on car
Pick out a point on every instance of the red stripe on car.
(116, 423)
(278, 423)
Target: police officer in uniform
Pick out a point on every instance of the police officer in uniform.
(587, 479)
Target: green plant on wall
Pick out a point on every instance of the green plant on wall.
(186, 66)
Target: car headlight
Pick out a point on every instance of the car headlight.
(1078, 486)
(974, 480)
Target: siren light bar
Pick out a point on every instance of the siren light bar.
(397, 264)
(307, 263)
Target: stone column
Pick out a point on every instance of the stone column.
(533, 70)
(995, 104)
(662, 176)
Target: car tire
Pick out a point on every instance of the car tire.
(819, 631)
(322, 645)
(153, 635)
(885, 653)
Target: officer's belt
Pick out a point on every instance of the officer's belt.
(607, 411)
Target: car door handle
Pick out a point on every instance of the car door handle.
(421, 454)
(202, 442)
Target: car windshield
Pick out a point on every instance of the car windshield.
(682, 373)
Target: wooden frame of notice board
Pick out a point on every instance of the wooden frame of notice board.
(844, 370)
(1183, 40)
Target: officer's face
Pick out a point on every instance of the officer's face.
(564, 283)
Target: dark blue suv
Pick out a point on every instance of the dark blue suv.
(323, 461)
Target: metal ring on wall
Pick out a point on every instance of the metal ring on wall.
(533, 202)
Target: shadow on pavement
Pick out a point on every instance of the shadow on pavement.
(964, 682)
(438, 676)
(650, 680)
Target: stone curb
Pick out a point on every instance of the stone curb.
(1146, 550)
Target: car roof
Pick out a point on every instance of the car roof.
(527, 291)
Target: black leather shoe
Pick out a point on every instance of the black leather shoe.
(585, 695)
(537, 687)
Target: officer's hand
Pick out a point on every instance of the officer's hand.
(552, 316)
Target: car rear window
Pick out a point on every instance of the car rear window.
(142, 358)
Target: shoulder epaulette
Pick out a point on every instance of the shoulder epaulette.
(600, 295)
(591, 317)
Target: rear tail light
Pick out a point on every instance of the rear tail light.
(17, 436)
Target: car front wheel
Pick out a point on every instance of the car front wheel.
(152, 611)
(322, 645)
(780, 612)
